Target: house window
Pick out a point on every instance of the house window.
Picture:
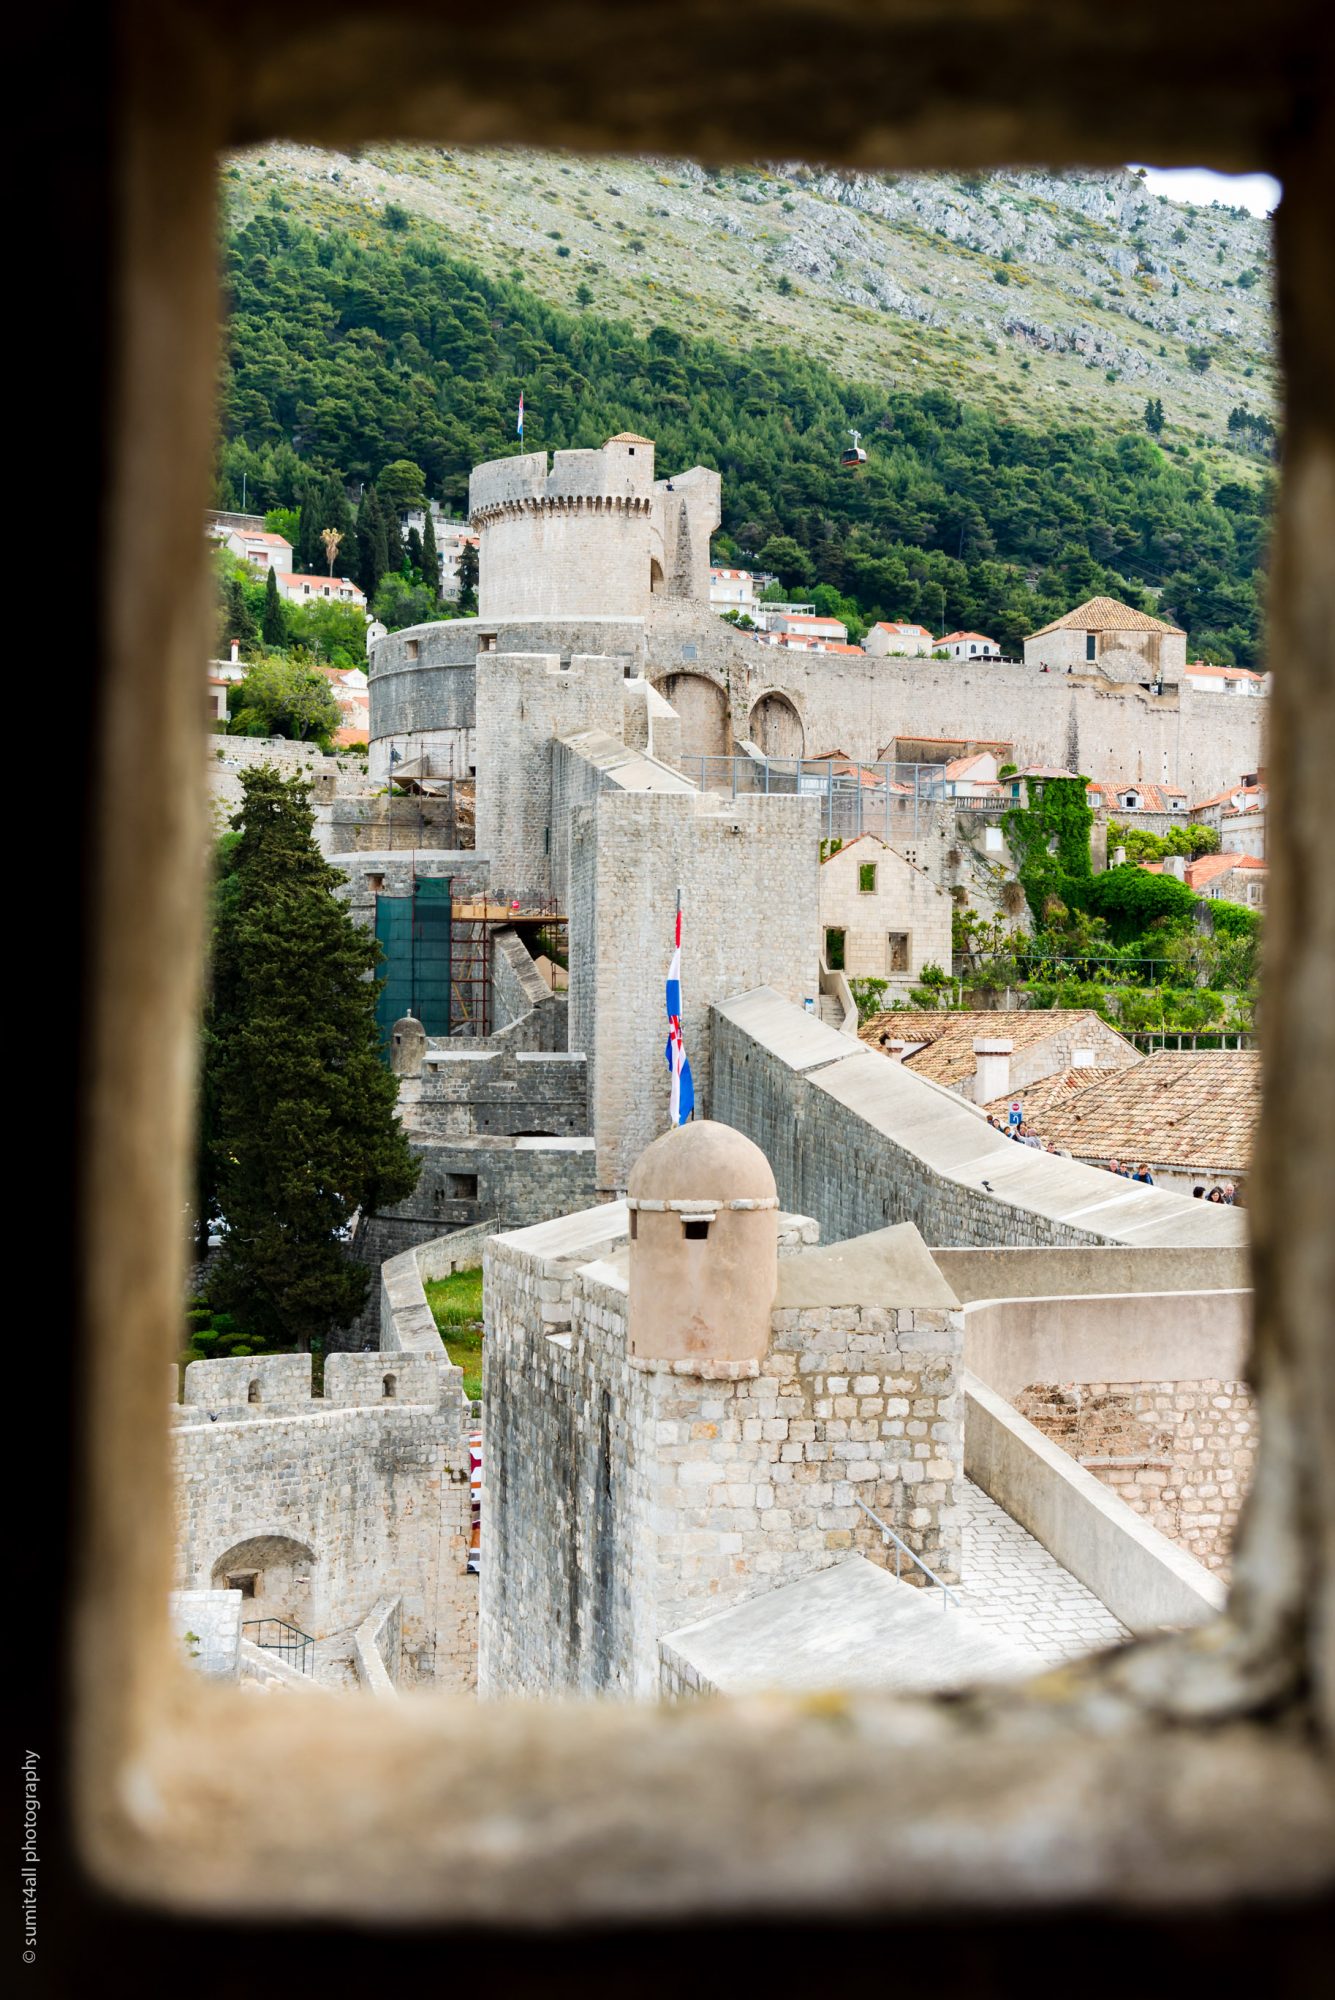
(461, 1187)
(410, 647)
(834, 950)
(1090, 644)
(867, 878)
(897, 951)
(992, 840)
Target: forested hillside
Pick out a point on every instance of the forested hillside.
(350, 348)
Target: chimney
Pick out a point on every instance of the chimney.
(1175, 865)
(895, 1050)
(992, 1077)
(236, 652)
(1119, 857)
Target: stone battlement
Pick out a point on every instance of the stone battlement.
(620, 472)
(258, 1387)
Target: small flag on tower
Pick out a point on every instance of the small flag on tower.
(520, 426)
(682, 1099)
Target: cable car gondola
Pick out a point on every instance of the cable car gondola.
(853, 457)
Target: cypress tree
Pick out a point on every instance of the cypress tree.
(372, 543)
(468, 581)
(415, 550)
(301, 1123)
(273, 625)
(308, 550)
(430, 557)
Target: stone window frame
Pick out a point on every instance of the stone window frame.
(1179, 1773)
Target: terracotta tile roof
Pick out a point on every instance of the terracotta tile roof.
(1105, 614)
(345, 737)
(1153, 798)
(948, 1057)
(952, 638)
(1039, 1100)
(1173, 1109)
(629, 437)
(889, 625)
(1226, 798)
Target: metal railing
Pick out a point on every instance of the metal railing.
(902, 1549)
(295, 1647)
(895, 800)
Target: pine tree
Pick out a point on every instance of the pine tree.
(1154, 416)
(430, 557)
(301, 1127)
(372, 544)
(468, 580)
(273, 625)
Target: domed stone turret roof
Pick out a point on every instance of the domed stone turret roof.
(702, 1161)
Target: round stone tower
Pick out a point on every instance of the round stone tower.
(704, 1246)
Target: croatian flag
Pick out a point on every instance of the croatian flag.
(682, 1100)
(520, 426)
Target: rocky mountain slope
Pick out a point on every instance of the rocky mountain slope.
(1037, 296)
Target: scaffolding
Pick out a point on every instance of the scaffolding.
(473, 929)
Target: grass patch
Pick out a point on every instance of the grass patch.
(456, 1307)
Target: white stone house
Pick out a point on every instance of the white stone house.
(1248, 793)
(968, 646)
(881, 917)
(1104, 637)
(808, 625)
(891, 640)
(1226, 680)
(1244, 832)
(261, 550)
(733, 590)
(299, 589)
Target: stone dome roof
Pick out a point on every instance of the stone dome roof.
(702, 1161)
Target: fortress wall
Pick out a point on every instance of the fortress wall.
(429, 699)
(747, 870)
(1201, 742)
(524, 700)
(858, 1141)
(471, 1179)
(501, 1092)
(585, 559)
(504, 481)
(379, 1495)
(625, 1498)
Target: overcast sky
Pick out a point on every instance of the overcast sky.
(1258, 192)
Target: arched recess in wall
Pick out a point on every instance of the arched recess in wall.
(655, 577)
(274, 1573)
(776, 727)
(702, 706)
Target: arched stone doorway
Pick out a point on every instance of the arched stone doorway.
(275, 1575)
(703, 708)
(776, 727)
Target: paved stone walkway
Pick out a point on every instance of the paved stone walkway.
(1011, 1583)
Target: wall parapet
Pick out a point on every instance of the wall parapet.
(1142, 1577)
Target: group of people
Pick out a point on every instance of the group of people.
(1024, 1137)
(1141, 1173)
(1226, 1193)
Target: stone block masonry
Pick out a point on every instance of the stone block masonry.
(1180, 1453)
(326, 1505)
(747, 871)
(524, 701)
(625, 1498)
